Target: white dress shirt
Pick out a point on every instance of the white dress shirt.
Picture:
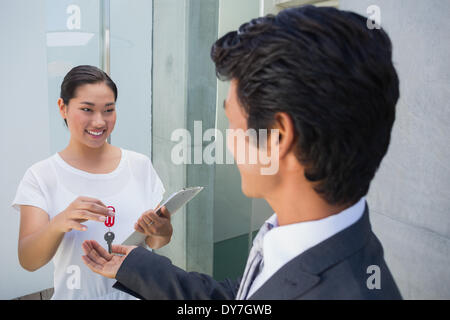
(283, 243)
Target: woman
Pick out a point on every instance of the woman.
(85, 191)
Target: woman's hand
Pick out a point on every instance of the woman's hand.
(157, 228)
(80, 210)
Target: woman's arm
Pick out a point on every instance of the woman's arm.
(38, 241)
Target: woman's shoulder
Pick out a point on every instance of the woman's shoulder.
(41, 171)
(43, 166)
(136, 157)
(139, 163)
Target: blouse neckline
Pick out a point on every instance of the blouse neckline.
(86, 174)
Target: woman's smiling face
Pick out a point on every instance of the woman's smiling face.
(90, 114)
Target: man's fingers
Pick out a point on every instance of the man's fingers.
(86, 246)
(101, 251)
(95, 252)
(92, 264)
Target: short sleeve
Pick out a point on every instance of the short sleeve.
(156, 187)
(29, 193)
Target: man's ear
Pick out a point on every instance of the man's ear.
(286, 139)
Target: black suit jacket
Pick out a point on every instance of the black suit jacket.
(336, 268)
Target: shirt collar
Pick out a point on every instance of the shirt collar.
(283, 243)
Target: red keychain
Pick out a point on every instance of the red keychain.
(109, 236)
(110, 220)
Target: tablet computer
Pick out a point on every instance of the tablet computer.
(173, 203)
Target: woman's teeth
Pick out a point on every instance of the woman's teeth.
(94, 133)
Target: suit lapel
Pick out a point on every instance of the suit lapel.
(303, 272)
(287, 284)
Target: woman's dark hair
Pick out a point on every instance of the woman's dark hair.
(333, 76)
(82, 75)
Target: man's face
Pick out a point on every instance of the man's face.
(254, 184)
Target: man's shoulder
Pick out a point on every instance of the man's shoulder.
(362, 275)
(348, 265)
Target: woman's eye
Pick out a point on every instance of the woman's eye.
(86, 109)
(110, 110)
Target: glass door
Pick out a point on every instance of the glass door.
(41, 41)
(74, 36)
(116, 36)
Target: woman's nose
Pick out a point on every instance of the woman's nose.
(98, 120)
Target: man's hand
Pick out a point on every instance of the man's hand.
(100, 261)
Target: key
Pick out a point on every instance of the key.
(109, 237)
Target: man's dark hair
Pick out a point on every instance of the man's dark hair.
(82, 75)
(335, 79)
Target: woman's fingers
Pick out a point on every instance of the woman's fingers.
(144, 226)
(151, 220)
(95, 208)
(92, 200)
(151, 223)
(73, 225)
(164, 213)
(92, 205)
(138, 228)
(86, 215)
(158, 217)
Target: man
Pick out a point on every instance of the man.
(326, 84)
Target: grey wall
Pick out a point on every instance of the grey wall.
(410, 196)
(184, 91)
(169, 99)
(201, 106)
